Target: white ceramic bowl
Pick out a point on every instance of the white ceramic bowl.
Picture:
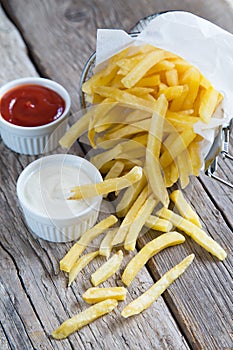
(40, 189)
(39, 139)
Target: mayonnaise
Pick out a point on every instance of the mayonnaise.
(46, 191)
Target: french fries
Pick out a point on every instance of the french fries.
(197, 234)
(80, 264)
(152, 164)
(152, 294)
(95, 294)
(107, 269)
(107, 243)
(158, 224)
(83, 318)
(184, 208)
(76, 250)
(149, 250)
(153, 93)
(107, 186)
(142, 126)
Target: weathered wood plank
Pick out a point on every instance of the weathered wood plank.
(220, 193)
(34, 296)
(3, 340)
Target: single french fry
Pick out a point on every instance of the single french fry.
(191, 77)
(184, 168)
(80, 264)
(150, 249)
(184, 208)
(83, 318)
(153, 293)
(158, 224)
(174, 172)
(208, 104)
(160, 66)
(107, 186)
(76, 130)
(171, 174)
(106, 244)
(195, 156)
(152, 164)
(140, 91)
(107, 269)
(172, 77)
(130, 217)
(76, 250)
(139, 221)
(171, 92)
(96, 294)
(167, 176)
(197, 234)
(152, 80)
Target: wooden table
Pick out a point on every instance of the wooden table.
(54, 39)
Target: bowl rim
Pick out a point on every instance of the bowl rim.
(60, 159)
(51, 84)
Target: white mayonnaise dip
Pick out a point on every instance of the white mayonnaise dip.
(47, 189)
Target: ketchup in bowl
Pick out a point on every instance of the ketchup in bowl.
(31, 105)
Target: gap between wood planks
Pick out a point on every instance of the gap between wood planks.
(215, 202)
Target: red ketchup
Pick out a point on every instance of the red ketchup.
(31, 105)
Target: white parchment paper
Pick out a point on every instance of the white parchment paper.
(200, 42)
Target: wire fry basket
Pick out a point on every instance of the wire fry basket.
(220, 146)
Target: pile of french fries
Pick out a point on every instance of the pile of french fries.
(146, 101)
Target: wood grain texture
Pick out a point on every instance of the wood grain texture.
(60, 36)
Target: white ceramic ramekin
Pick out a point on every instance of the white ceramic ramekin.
(62, 228)
(39, 139)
